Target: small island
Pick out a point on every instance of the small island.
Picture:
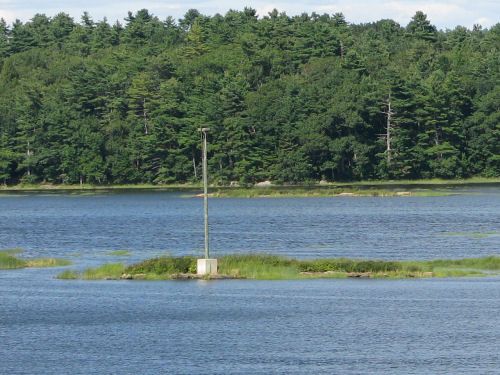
(273, 267)
(9, 259)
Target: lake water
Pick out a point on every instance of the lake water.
(445, 326)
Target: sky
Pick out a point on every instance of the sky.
(445, 14)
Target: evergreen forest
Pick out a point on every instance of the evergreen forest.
(291, 99)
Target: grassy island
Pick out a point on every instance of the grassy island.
(325, 191)
(418, 187)
(271, 267)
(9, 260)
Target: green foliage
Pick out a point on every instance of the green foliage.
(272, 267)
(106, 271)
(348, 265)
(10, 261)
(288, 99)
(119, 253)
(164, 266)
(68, 275)
(258, 266)
(486, 263)
(47, 262)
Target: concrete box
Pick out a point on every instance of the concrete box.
(206, 267)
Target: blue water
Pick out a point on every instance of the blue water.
(152, 223)
(444, 326)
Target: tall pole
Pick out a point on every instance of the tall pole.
(207, 266)
(205, 189)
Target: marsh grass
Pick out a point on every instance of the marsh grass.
(15, 251)
(165, 265)
(120, 253)
(472, 235)
(259, 266)
(106, 271)
(263, 266)
(272, 267)
(348, 265)
(297, 192)
(490, 263)
(431, 182)
(68, 275)
(47, 262)
(89, 187)
(10, 260)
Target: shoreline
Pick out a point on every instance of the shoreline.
(262, 266)
(382, 188)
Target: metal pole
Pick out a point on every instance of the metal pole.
(205, 190)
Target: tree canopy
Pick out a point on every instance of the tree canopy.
(290, 99)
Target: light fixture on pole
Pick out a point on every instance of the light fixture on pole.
(205, 266)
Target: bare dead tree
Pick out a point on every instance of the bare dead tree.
(388, 129)
(145, 115)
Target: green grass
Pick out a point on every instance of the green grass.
(10, 260)
(258, 266)
(106, 271)
(120, 253)
(272, 267)
(90, 187)
(164, 265)
(179, 186)
(491, 263)
(109, 271)
(47, 262)
(15, 251)
(69, 275)
(433, 181)
(334, 191)
(473, 235)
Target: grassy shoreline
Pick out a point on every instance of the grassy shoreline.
(271, 267)
(390, 188)
(90, 187)
(9, 260)
(325, 191)
(192, 186)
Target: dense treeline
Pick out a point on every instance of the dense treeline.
(290, 99)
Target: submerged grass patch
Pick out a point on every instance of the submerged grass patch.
(120, 253)
(272, 267)
(473, 235)
(10, 260)
(69, 275)
(491, 263)
(47, 262)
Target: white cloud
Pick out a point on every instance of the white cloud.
(484, 21)
(11, 15)
(400, 11)
(265, 10)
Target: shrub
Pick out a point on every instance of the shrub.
(164, 265)
(348, 265)
(9, 261)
